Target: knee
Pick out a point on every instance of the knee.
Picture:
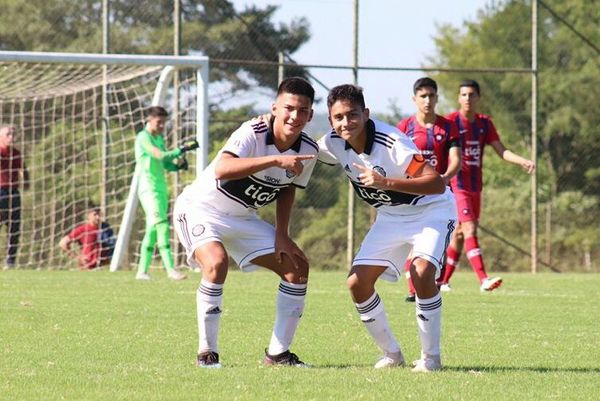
(297, 274)
(214, 267)
(353, 282)
(422, 270)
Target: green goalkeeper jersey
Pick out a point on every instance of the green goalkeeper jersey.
(151, 169)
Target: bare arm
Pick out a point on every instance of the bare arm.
(284, 245)
(230, 167)
(425, 181)
(65, 245)
(505, 154)
(454, 162)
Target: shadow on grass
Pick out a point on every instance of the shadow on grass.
(498, 369)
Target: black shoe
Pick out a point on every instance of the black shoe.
(410, 298)
(208, 359)
(286, 358)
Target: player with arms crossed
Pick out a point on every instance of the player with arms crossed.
(415, 210)
(152, 159)
(437, 139)
(475, 131)
(215, 217)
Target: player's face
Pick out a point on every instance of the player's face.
(292, 113)
(468, 99)
(6, 136)
(156, 124)
(94, 217)
(425, 99)
(348, 119)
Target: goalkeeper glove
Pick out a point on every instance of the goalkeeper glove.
(182, 163)
(189, 144)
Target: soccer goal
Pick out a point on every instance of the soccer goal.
(76, 117)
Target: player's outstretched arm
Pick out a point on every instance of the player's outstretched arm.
(424, 180)
(505, 154)
(230, 167)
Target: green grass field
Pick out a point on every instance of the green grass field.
(69, 335)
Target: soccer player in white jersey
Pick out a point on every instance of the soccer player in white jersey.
(215, 217)
(415, 210)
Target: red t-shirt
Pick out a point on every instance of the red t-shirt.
(473, 137)
(10, 164)
(434, 142)
(88, 236)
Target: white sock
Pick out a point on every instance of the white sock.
(429, 320)
(289, 309)
(372, 314)
(209, 297)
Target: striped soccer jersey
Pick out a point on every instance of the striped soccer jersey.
(473, 137)
(433, 142)
(387, 151)
(240, 197)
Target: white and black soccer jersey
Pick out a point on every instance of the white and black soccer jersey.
(387, 151)
(244, 196)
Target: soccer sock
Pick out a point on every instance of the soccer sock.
(372, 314)
(475, 257)
(209, 298)
(147, 249)
(429, 320)
(164, 246)
(411, 287)
(290, 306)
(452, 258)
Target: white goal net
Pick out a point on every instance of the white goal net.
(75, 118)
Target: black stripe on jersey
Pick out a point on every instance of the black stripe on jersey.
(260, 127)
(309, 141)
(386, 138)
(418, 198)
(387, 145)
(184, 231)
(230, 153)
(271, 184)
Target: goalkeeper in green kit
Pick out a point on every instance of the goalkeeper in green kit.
(152, 159)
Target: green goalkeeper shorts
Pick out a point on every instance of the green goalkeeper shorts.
(155, 205)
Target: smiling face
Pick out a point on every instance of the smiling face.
(292, 113)
(426, 99)
(348, 119)
(468, 99)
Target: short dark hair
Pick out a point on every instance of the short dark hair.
(297, 86)
(156, 111)
(424, 82)
(346, 92)
(470, 83)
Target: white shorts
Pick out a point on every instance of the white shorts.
(244, 237)
(391, 238)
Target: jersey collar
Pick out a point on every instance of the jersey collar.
(370, 128)
(271, 138)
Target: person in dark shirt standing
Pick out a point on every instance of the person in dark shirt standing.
(12, 172)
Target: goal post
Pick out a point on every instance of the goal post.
(67, 108)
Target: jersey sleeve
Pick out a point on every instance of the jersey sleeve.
(407, 156)
(492, 134)
(453, 135)
(302, 180)
(402, 125)
(242, 143)
(325, 154)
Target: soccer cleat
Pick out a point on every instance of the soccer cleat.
(142, 276)
(445, 287)
(427, 364)
(410, 298)
(208, 360)
(390, 360)
(286, 358)
(490, 284)
(175, 275)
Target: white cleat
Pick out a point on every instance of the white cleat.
(175, 275)
(490, 284)
(427, 364)
(445, 288)
(142, 276)
(390, 360)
